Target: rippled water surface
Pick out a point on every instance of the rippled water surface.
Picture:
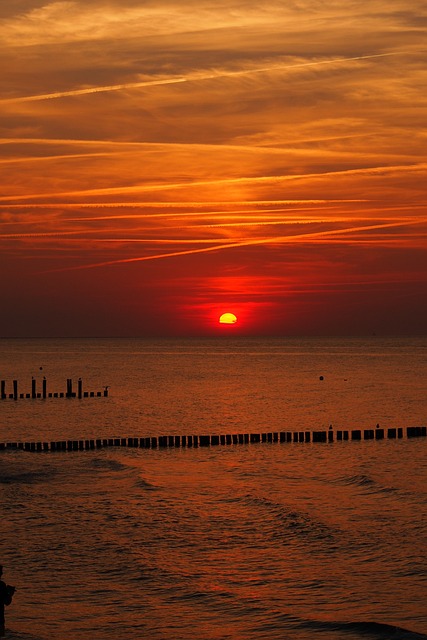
(289, 541)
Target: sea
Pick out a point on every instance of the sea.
(286, 541)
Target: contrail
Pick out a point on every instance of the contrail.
(191, 78)
(245, 243)
(158, 186)
(81, 92)
(155, 204)
(63, 156)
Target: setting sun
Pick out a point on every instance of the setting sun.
(228, 318)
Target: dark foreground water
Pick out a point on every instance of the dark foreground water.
(286, 541)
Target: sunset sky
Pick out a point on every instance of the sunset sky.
(166, 162)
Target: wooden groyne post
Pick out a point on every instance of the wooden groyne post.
(188, 441)
(34, 394)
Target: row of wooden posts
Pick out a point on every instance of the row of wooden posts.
(173, 441)
(43, 394)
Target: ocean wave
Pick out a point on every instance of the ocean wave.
(365, 482)
(26, 477)
(10, 634)
(144, 484)
(108, 464)
(290, 521)
(365, 629)
(360, 480)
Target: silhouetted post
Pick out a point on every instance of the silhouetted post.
(33, 388)
(105, 392)
(80, 388)
(44, 386)
(319, 436)
(15, 389)
(3, 389)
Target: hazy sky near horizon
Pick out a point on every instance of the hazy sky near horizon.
(165, 162)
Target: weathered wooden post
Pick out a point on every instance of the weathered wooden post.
(15, 389)
(3, 389)
(44, 387)
(319, 436)
(79, 388)
(33, 388)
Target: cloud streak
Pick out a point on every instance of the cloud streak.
(290, 239)
(196, 77)
(144, 188)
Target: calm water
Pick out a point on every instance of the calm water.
(293, 541)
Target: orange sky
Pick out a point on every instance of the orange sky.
(164, 162)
